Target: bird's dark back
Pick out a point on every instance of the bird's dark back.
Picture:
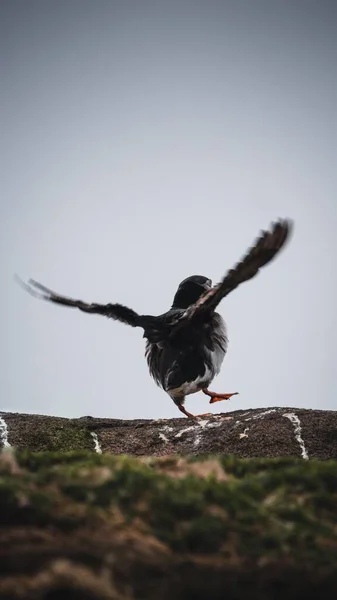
(190, 347)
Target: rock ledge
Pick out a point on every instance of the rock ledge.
(262, 432)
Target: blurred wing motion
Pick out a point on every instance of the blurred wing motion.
(261, 253)
(159, 329)
(118, 312)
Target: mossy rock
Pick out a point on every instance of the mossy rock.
(98, 526)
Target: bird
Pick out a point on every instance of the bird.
(185, 347)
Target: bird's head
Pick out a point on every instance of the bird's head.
(190, 290)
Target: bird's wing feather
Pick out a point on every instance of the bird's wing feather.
(117, 312)
(157, 329)
(153, 355)
(261, 253)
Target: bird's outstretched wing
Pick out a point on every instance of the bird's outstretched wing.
(161, 328)
(118, 312)
(261, 253)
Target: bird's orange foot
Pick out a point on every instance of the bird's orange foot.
(203, 415)
(190, 415)
(218, 397)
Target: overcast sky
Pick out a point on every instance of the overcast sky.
(146, 141)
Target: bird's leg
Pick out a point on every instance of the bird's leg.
(218, 397)
(183, 410)
(179, 402)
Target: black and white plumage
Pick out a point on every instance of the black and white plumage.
(193, 357)
(185, 346)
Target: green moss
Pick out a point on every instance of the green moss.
(59, 437)
(276, 508)
(241, 467)
(40, 461)
(23, 503)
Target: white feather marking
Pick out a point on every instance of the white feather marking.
(97, 445)
(211, 425)
(162, 436)
(244, 434)
(182, 431)
(262, 414)
(298, 432)
(202, 424)
(4, 433)
(190, 387)
(217, 355)
(198, 428)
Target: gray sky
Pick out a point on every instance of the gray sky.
(143, 142)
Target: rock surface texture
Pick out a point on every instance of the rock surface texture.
(270, 432)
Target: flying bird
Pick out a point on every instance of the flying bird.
(185, 346)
